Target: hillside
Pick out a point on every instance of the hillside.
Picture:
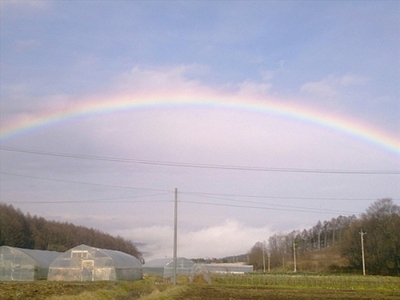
(32, 232)
(335, 245)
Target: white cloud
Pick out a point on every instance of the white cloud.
(253, 88)
(163, 79)
(267, 75)
(184, 79)
(19, 3)
(322, 89)
(353, 80)
(332, 86)
(16, 9)
(230, 237)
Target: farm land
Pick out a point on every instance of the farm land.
(254, 286)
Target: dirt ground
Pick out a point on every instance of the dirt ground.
(40, 290)
(43, 289)
(199, 292)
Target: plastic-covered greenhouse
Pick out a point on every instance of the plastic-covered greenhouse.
(165, 266)
(226, 268)
(85, 263)
(24, 264)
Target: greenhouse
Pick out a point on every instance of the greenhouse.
(85, 263)
(165, 267)
(18, 264)
(226, 268)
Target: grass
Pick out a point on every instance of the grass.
(250, 286)
(312, 281)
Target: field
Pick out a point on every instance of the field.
(272, 287)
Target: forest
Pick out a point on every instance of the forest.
(335, 246)
(32, 232)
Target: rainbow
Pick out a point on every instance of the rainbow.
(84, 109)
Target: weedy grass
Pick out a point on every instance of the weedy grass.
(249, 286)
(119, 291)
(349, 282)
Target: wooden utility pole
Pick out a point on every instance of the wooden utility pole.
(263, 249)
(294, 258)
(175, 236)
(362, 250)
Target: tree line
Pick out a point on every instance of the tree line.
(335, 245)
(32, 232)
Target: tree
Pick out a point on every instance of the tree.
(256, 256)
(381, 222)
(18, 230)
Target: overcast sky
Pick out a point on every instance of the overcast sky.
(242, 170)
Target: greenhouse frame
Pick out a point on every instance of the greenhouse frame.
(165, 267)
(85, 263)
(17, 264)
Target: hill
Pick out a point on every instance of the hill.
(32, 232)
(336, 245)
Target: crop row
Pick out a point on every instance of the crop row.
(334, 282)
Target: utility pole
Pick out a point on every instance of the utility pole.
(263, 249)
(175, 236)
(294, 258)
(319, 239)
(362, 250)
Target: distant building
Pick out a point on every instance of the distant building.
(165, 267)
(229, 268)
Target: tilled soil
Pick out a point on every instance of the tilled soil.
(40, 290)
(202, 292)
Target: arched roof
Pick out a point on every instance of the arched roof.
(38, 258)
(164, 262)
(120, 259)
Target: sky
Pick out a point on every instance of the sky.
(266, 116)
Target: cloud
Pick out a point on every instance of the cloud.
(253, 88)
(322, 89)
(165, 79)
(353, 80)
(186, 79)
(15, 9)
(230, 237)
(331, 86)
(31, 4)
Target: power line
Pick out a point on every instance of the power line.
(202, 166)
(88, 201)
(200, 194)
(299, 209)
(87, 183)
(262, 207)
(277, 197)
(100, 201)
(266, 206)
(282, 207)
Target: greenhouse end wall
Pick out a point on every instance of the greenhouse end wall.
(17, 264)
(85, 263)
(165, 266)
